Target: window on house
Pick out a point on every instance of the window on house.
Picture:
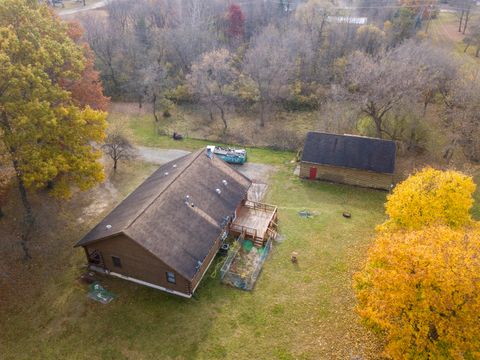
(116, 261)
(171, 277)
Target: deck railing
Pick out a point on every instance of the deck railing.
(260, 206)
(247, 231)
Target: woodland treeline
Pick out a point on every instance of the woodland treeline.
(383, 78)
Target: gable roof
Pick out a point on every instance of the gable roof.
(159, 216)
(350, 151)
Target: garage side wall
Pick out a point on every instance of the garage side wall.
(348, 176)
(136, 262)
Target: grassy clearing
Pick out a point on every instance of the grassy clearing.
(444, 32)
(145, 133)
(302, 311)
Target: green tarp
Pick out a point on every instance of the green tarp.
(98, 293)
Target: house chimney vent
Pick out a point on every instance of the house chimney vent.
(218, 191)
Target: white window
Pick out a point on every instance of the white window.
(171, 277)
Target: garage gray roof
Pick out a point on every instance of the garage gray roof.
(350, 151)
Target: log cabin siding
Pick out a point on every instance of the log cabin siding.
(137, 263)
(348, 176)
(206, 263)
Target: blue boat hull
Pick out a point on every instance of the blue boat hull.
(232, 159)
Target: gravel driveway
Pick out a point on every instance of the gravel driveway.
(159, 156)
(258, 173)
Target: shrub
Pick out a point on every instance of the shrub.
(281, 139)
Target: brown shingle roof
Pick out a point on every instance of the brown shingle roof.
(157, 217)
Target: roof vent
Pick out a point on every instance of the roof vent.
(224, 182)
(218, 191)
(166, 173)
(108, 226)
(174, 166)
(210, 151)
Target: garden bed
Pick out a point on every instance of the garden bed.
(244, 263)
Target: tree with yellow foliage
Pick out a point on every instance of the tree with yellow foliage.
(430, 197)
(422, 289)
(49, 139)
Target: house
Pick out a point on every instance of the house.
(348, 20)
(166, 233)
(349, 159)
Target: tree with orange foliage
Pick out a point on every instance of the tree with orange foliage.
(87, 90)
(422, 289)
(430, 197)
(420, 285)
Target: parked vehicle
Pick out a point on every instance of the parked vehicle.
(229, 155)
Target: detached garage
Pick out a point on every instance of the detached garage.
(349, 159)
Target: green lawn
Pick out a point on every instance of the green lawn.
(303, 311)
(144, 133)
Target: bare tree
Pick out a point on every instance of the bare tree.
(106, 43)
(212, 79)
(117, 145)
(435, 69)
(270, 63)
(473, 39)
(370, 39)
(463, 115)
(378, 84)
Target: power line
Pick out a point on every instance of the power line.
(428, 4)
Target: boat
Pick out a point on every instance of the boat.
(229, 155)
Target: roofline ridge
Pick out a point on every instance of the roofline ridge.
(164, 189)
(350, 135)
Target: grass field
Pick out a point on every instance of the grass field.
(444, 32)
(303, 311)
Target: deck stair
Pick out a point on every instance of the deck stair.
(258, 242)
(255, 221)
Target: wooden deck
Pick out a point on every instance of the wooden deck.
(255, 221)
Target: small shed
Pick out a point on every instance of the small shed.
(166, 233)
(349, 159)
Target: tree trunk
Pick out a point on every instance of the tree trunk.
(466, 48)
(222, 115)
(262, 113)
(378, 128)
(115, 164)
(28, 218)
(112, 74)
(461, 20)
(2, 214)
(466, 21)
(210, 114)
(477, 53)
(154, 106)
(140, 101)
